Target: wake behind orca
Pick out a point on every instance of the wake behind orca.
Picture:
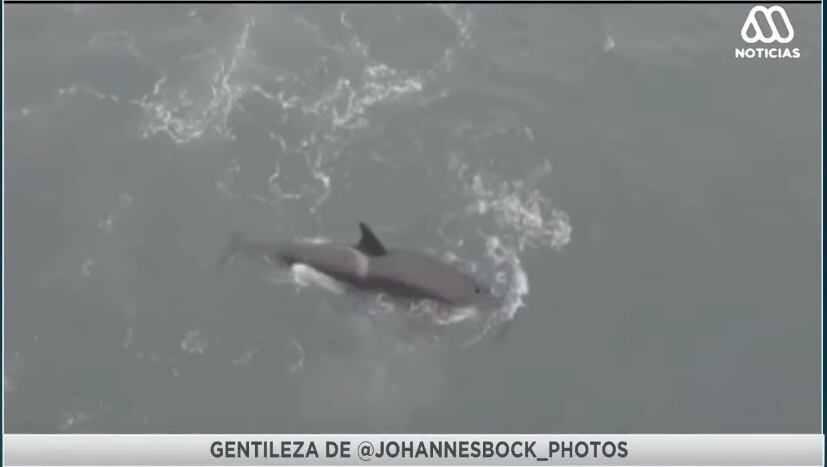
(370, 266)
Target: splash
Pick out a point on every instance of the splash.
(511, 204)
(511, 215)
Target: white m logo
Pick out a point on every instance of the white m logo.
(758, 34)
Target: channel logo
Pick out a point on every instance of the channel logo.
(762, 25)
(775, 35)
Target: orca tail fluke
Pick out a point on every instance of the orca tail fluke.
(234, 244)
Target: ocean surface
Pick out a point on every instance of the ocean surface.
(645, 205)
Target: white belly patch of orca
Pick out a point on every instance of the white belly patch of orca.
(362, 262)
(305, 275)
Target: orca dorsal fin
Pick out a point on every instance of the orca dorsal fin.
(369, 244)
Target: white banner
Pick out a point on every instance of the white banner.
(228, 449)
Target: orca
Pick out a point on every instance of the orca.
(370, 266)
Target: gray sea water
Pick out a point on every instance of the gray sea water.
(646, 206)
